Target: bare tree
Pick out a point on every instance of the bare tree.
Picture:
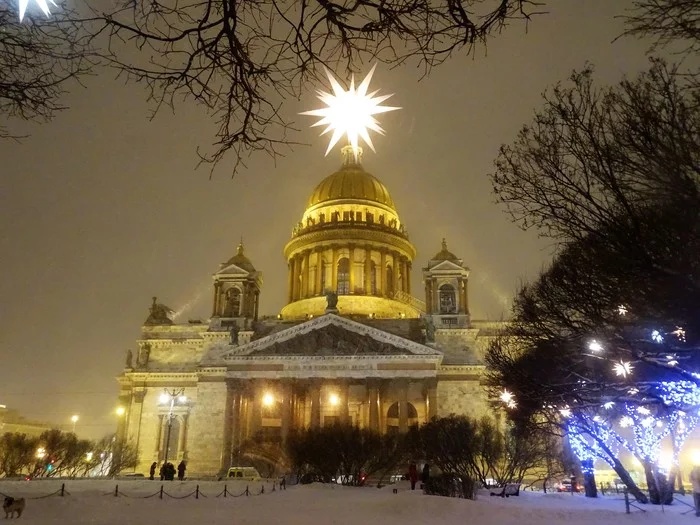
(667, 22)
(241, 59)
(39, 58)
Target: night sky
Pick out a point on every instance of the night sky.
(102, 209)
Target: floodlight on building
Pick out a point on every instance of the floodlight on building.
(182, 399)
(268, 399)
(333, 399)
(120, 411)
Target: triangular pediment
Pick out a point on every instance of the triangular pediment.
(327, 336)
(232, 269)
(449, 266)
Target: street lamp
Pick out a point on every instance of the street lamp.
(170, 398)
(74, 419)
(120, 411)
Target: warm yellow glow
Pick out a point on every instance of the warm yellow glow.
(164, 398)
(695, 456)
(74, 418)
(665, 459)
(333, 399)
(350, 112)
(88, 456)
(182, 399)
(268, 399)
(120, 411)
(40, 452)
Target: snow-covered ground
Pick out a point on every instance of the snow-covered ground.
(91, 502)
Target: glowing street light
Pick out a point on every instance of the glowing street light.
(120, 411)
(74, 419)
(268, 399)
(595, 346)
(350, 112)
(333, 399)
(41, 453)
(170, 398)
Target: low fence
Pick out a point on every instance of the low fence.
(162, 493)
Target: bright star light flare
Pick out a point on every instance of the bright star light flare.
(350, 112)
(43, 5)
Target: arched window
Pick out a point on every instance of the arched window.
(389, 280)
(343, 276)
(392, 417)
(172, 443)
(373, 278)
(233, 303)
(448, 303)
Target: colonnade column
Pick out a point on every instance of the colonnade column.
(428, 296)
(465, 296)
(290, 280)
(403, 405)
(217, 288)
(295, 278)
(306, 275)
(351, 261)
(182, 437)
(315, 390)
(344, 412)
(255, 408)
(408, 277)
(159, 436)
(287, 392)
(334, 270)
(395, 272)
(373, 388)
(382, 274)
(431, 399)
(227, 445)
(319, 271)
(368, 271)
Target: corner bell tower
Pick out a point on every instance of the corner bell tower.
(236, 291)
(446, 298)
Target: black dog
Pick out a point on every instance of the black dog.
(12, 506)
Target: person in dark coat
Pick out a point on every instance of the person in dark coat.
(425, 476)
(181, 468)
(162, 471)
(169, 471)
(152, 472)
(413, 475)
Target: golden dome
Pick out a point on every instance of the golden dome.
(353, 183)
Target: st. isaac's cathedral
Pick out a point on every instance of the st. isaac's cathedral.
(353, 344)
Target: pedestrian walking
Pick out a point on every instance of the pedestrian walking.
(181, 468)
(695, 480)
(413, 475)
(152, 472)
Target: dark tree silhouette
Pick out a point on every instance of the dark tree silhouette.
(39, 59)
(241, 59)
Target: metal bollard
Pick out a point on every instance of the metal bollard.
(247, 492)
(63, 489)
(224, 490)
(262, 490)
(161, 491)
(116, 490)
(196, 493)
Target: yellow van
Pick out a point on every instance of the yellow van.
(244, 473)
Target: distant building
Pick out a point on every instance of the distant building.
(11, 421)
(352, 344)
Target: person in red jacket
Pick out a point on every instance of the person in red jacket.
(413, 475)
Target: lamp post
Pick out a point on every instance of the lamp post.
(171, 397)
(74, 420)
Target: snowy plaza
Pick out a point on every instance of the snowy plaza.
(93, 502)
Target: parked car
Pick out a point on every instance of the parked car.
(244, 473)
(565, 486)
